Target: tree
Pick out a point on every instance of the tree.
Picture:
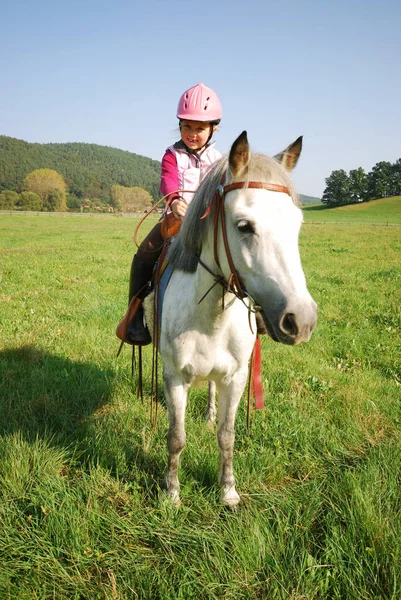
(396, 178)
(55, 201)
(29, 201)
(131, 199)
(8, 199)
(358, 185)
(92, 189)
(73, 203)
(337, 190)
(380, 181)
(49, 186)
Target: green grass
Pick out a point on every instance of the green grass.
(386, 210)
(81, 512)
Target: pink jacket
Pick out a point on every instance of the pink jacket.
(183, 170)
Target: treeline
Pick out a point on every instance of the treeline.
(96, 178)
(45, 190)
(383, 181)
(89, 171)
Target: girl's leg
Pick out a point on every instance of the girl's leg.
(151, 247)
(140, 276)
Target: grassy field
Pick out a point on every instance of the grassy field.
(81, 512)
(386, 210)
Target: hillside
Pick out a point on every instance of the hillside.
(385, 210)
(88, 169)
(309, 199)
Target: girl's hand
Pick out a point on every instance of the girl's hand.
(179, 208)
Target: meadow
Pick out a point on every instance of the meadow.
(82, 514)
(383, 211)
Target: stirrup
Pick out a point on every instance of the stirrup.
(122, 331)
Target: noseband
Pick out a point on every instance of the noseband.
(233, 284)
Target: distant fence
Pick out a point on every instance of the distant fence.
(76, 214)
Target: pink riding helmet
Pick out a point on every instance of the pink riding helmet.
(199, 103)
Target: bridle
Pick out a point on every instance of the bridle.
(233, 284)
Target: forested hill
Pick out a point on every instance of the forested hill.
(89, 170)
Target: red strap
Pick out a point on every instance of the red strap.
(257, 376)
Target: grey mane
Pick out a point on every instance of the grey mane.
(186, 247)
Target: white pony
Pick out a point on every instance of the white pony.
(241, 231)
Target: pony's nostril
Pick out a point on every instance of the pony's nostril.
(289, 325)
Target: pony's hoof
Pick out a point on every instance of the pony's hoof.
(172, 496)
(168, 501)
(171, 492)
(210, 417)
(175, 498)
(230, 499)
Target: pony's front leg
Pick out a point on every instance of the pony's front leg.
(211, 404)
(176, 397)
(229, 398)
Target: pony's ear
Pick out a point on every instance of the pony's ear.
(289, 157)
(240, 155)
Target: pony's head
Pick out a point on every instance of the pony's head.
(262, 226)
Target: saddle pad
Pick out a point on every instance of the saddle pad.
(164, 281)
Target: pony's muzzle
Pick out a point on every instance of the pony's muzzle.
(296, 326)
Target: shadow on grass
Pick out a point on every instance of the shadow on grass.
(53, 398)
(69, 404)
(152, 385)
(45, 395)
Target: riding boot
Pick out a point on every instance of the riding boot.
(136, 331)
(140, 276)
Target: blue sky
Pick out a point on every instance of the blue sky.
(111, 73)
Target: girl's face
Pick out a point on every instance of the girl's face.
(195, 134)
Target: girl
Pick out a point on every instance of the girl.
(183, 167)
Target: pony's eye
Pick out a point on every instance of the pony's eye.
(245, 227)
